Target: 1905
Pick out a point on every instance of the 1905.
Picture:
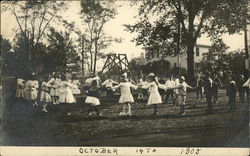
(190, 151)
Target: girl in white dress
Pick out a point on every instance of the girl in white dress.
(75, 85)
(92, 98)
(55, 88)
(126, 97)
(31, 91)
(66, 95)
(154, 95)
(20, 88)
(45, 97)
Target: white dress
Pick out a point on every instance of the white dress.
(154, 95)
(20, 88)
(31, 90)
(92, 97)
(66, 95)
(75, 89)
(126, 96)
(45, 96)
(55, 86)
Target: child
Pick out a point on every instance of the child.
(140, 93)
(170, 83)
(31, 87)
(181, 94)
(55, 88)
(199, 88)
(92, 98)
(154, 95)
(45, 96)
(75, 89)
(231, 93)
(66, 95)
(20, 88)
(108, 86)
(126, 97)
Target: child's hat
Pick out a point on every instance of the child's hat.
(182, 77)
(151, 75)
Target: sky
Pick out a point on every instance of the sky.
(116, 29)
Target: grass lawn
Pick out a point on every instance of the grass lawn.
(24, 125)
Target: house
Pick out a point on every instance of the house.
(153, 53)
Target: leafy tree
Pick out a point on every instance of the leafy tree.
(212, 60)
(62, 51)
(6, 59)
(213, 17)
(95, 14)
(227, 64)
(33, 18)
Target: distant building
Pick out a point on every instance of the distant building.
(153, 53)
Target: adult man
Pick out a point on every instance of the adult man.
(208, 90)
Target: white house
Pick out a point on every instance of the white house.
(199, 50)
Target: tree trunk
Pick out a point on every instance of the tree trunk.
(190, 60)
(95, 59)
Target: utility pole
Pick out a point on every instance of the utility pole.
(29, 52)
(178, 41)
(246, 48)
(83, 55)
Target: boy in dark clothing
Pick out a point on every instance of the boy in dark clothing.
(231, 93)
(199, 88)
(208, 90)
(217, 84)
(241, 89)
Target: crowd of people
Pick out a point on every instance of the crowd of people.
(59, 89)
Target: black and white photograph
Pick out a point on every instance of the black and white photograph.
(102, 75)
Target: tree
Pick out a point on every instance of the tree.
(6, 59)
(213, 17)
(33, 18)
(61, 51)
(95, 14)
(212, 61)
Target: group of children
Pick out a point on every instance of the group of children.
(56, 89)
(59, 90)
(126, 98)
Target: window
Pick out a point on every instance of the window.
(175, 65)
(197, 51)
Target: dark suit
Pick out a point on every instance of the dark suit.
(199, 84)
(216, 85)
(208, 90)
(231, 93)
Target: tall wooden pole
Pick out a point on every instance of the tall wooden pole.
(246, 48)
(83, 56)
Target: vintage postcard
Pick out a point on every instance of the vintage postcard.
(113, 77)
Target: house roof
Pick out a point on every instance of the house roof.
(203, 45)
